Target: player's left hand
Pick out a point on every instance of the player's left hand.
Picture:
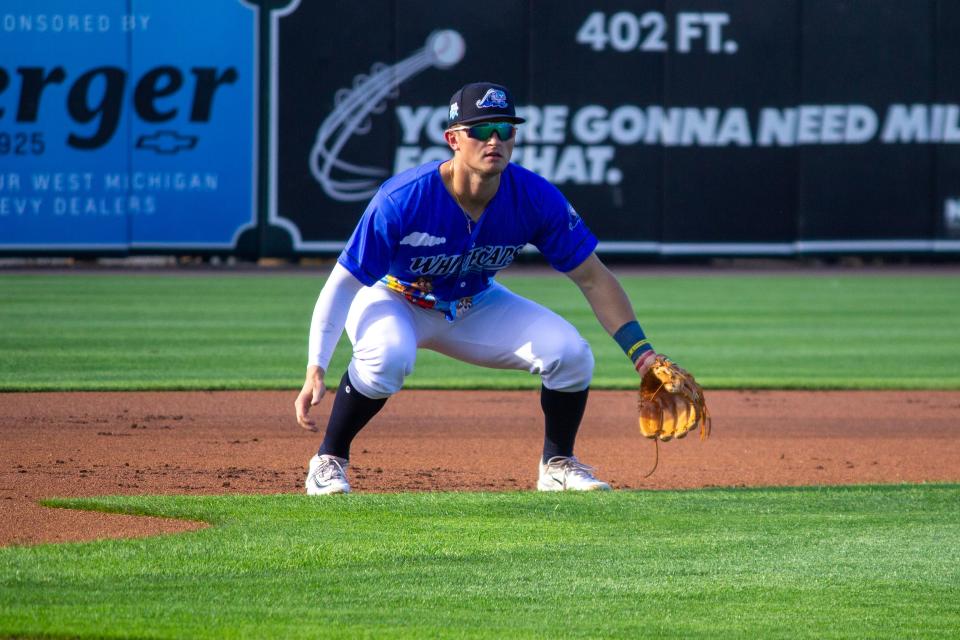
(645, 362)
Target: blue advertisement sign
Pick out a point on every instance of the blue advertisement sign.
(127, 124)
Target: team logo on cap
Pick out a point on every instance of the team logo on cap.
(493, 98)
(454, 111)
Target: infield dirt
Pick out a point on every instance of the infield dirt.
(88, 444)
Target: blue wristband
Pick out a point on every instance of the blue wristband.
(631, 339)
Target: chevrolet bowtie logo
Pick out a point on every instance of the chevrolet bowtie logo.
(167, 142)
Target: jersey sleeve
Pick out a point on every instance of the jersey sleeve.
(371, 248)
(563, 238)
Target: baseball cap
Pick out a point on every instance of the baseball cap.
(480, 101)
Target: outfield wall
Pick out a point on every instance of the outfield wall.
(676, 127)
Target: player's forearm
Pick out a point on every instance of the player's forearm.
(603, 291)
(330, 315)
(609, 302)
(613, 309)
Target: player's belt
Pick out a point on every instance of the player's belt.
(416, 295)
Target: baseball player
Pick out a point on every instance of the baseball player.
(419, 273)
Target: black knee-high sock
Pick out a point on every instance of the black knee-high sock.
(350, 413)
(562, 412)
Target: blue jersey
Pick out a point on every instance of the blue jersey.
(415, 237)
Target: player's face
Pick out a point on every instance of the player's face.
(489, 156)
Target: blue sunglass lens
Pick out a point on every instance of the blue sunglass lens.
(504, 130)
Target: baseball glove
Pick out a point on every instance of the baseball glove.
(671, 402)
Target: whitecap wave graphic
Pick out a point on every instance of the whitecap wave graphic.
(351, 116)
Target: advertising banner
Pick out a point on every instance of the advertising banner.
(946, 92)
(674, 126)
(127, 124)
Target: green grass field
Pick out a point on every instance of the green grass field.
(856, 562)
(88, 331)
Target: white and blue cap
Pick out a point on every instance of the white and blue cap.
(479, 101)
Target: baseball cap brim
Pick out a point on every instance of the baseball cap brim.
(491, 118)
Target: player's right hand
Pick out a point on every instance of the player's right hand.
(311, 394)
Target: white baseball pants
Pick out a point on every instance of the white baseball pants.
(502, 331)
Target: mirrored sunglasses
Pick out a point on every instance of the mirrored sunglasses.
(483, 131)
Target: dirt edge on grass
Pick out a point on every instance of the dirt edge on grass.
(92, 444)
